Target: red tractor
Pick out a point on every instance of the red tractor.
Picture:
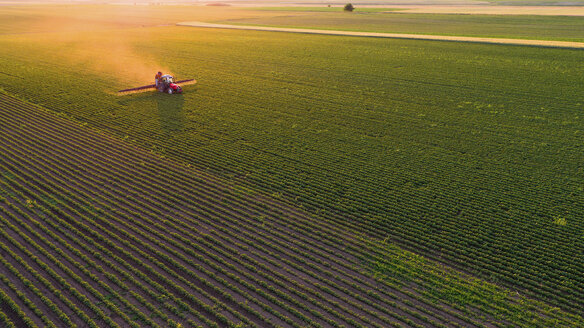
(166, 84)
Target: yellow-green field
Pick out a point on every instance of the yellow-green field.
(304, 181)
(536, 27)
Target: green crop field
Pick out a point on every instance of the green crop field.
(304, 181)
(336, 8)
(563, 28)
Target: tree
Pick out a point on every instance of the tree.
(348, 7)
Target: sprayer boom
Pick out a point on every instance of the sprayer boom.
(153, 86)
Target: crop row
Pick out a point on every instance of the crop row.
(297, 261)
(158, 213)
(459, 252)
(137, 241)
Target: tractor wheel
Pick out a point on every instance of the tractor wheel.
(169, 91)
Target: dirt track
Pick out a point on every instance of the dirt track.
(522, 42)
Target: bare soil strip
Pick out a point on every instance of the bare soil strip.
(519, 42)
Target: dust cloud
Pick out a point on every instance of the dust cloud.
(115, 57)
(106, 46)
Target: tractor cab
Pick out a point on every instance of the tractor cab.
(167, 79)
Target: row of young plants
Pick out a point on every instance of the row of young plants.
(128, 276)
(10, 306)
(385, 227)
(396, 86)
(5, 321)
(51, 213)
(176, 264)
(167, 283)
(32, 177)
(532, 286)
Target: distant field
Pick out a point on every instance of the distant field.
(305, 180)
(499, 8)
(31, 19)
(425, 37)
(496, 26)
(538, 2)
(60, 18)
(323, 9)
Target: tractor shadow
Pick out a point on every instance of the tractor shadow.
(167, 109)
(170, 112)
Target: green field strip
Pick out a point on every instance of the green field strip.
(21, 296)
(413, 208)
(141, 274)
(128, 235)
(475, 25)
(425, 37)
(105, 287)
(82, 256)
(322, 9)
